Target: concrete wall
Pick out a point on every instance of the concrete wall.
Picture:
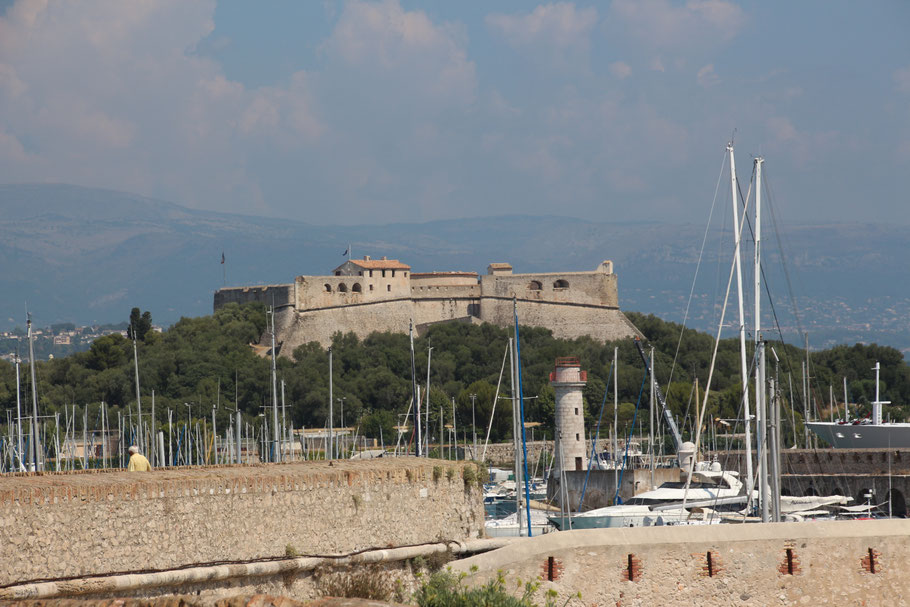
(829, 564)
(56, 525)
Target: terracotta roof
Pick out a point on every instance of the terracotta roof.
(431, 274)
(500, 265)
(380, 264)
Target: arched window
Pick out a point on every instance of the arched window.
(356, 288)
(535, 285)
(343, 288)
(328, 288)
(561, 284)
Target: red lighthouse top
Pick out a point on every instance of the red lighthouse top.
(568, 362)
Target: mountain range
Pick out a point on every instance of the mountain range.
(85, 255)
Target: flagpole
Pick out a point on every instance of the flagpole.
(223, 271)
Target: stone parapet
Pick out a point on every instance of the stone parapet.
(61, 525)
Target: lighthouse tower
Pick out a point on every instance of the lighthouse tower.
(568, 380)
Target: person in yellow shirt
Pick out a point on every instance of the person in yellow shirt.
(138, 463)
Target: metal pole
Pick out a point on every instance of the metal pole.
(415, 397)
(238, 436)
(284, 423)
(19, 414)
(744, 373)
(154, 445)
(474, 426)
(615, 417)
(651, 425)
(276, 455)
(429, 360)
(31, 357)
(330, 454)
(454, 430)
(138, 400)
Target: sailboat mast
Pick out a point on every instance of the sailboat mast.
(19, 413)
(429, 361)
(31, 360)
(138, 401)
(515, 439)
(744, 373)
(415, 398)
(761, 414)
(276, 455)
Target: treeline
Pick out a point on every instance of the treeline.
(203, 362)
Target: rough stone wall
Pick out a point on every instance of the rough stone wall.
(567, 321)
(57, 525)
(441, 303)
(570, 304)
(320, 325)
(593, 288)
(828, 563)
(503, 454)
(283, 295)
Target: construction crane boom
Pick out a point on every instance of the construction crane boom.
(664, 409)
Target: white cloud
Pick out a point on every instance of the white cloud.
(902, 79)
(782, 129)
(665, 24)
(383, 41)
(558, 25)
(110, 93)
(657, 65)
(706, 76)
(620, 69)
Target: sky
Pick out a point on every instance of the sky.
(358, 112)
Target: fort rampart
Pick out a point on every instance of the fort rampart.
(63, 525)
(363, 296)
(821, 563)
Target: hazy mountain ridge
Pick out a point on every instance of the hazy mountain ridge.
(88, 255)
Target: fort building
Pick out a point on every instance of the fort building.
(367, 295)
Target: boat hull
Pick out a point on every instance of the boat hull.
(862, 436)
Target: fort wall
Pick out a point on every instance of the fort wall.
(60, 525)
(813, 563)
(282, 295)
(363, 296)
(361, 319)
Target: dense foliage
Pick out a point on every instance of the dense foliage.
(203, 362)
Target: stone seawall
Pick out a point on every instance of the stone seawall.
(824, 563)
(61, 525)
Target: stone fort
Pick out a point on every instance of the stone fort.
(367, 295)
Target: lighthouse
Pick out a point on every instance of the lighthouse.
(568, 381)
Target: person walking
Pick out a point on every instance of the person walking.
(138, 463)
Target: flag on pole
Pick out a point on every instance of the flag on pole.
(346, 251)
(222, 258)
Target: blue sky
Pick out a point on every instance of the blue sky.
(391, 111)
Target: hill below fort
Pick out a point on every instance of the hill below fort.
(87, 256)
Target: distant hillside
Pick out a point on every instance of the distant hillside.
(87, 256)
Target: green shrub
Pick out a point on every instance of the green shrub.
(445, 589)
(437, 473)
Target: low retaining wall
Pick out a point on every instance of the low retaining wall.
(824, 563)
(63, 525)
